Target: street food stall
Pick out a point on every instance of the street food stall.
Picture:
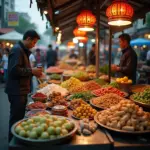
(85, 109)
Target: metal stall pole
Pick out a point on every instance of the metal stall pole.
(110, 49)
(97, 36)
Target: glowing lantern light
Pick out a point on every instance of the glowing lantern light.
(79, 34)
(119, 13)
(84, 40)
(86, 20)
(70, 44)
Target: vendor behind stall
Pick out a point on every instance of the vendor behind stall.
(73, 55)
(92, 56)
(128, 60)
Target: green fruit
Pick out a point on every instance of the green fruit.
(31, 126)
(55, 118)
(36, 118)
(22, 133)
(18, 129)
(33, 135)
(23, 124)
(28, 133)
(51, 130)
(43, 120)
(29, 121)
(63, 120)
(64, 131)
(52, 137)
(72, 125)
(26, 127)
(44, 135)
(44, 126)
(34, 129)
(58, 130)
(57, 123)
(39, 130)
(68, 126)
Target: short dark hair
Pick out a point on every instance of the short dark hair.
(38, 50)
(32, 34)
(93, 45)
(7, 50)
(126, 37)
(49, 46)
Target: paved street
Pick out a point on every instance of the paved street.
(4, 116)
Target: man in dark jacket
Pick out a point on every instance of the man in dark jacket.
(51, 57)
(19, 76)
(128, 61)
(92, 56)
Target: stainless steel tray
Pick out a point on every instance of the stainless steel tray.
(117, 130)
(46, 141)
(139, 103)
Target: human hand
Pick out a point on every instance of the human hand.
(37, 72)
(114, 67)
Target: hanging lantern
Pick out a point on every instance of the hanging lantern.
(86, 20)
(119, 13)
(84, 40)
(70, 44)
(79, 34)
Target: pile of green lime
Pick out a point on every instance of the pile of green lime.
(47, 127)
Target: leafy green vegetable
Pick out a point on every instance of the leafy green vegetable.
(143, 97)
(105, 69)
(100, 81)
(83, 95)
(55, 77)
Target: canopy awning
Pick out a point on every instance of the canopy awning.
(11, 36)
(140, 42)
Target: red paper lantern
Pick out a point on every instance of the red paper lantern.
(86, 20)
(84, 40)
(79, 34)
(119, 13)
(71, 44)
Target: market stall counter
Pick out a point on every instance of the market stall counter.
(129, 142)
(96, 141)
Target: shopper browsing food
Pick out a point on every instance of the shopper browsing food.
(19, 76)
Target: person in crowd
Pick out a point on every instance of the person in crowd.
(1, 51)
(32, 63)
(92, 56)
(4, 62)
(128, 60)
(73, 55)
(32, 60)
(40, 59)
(148, 58)
(19, 76)
(143, 54)
(51, 57)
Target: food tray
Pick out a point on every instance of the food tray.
(125, 94)
(95, 106)
(34, 111)
(139, 103)
(79, 118)
(117, 130)
(134, 88)
(46, 141)
(68, 105)
(40, 99)
(54, 81)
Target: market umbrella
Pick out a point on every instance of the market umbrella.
(140, 42)
(11, 36)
